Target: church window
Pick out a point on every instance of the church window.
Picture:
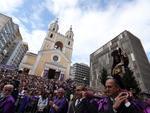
(55, 58)
(69, 43)
(53, 29)
(51, 35)
(58, 45)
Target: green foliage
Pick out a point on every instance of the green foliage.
(103, 76)
(130, 81)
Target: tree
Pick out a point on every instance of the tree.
(103, 76)
(130, 81)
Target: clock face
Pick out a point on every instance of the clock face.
(55, 58)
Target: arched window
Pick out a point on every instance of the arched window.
(58, 45)
(69, 43)
(51, 35)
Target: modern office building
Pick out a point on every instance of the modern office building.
(18, 53)
(81, 73)
(6, 35)
(54, 57)
(71, 75)
(138, 61)
(12, 48)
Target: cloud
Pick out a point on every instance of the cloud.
(29, 18)
(36, 17)
(8, 6)
(94, 22)
(34, 38)
(93, 27)
(58, 6)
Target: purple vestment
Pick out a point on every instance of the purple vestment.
(7, 104)
(62, 104)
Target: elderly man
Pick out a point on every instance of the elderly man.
(120, 101)
(6, 100)
(60, 103)
(83, 102)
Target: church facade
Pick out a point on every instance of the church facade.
(54, 57)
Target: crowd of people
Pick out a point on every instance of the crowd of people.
(24, 93)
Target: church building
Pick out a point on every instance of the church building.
(54, 58)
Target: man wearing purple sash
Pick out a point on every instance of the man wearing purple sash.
(7, 102)
(60, 103)
(120, 101)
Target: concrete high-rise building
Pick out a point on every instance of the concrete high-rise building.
(12, 48)
(17, 55)
(81, 72)
(138, 61)
(54, 57)
(71, 75)
(6, 35)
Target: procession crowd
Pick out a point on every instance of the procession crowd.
(24, 93)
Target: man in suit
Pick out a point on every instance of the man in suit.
(82, 103)
(76, 99)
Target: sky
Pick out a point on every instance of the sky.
(94, 22)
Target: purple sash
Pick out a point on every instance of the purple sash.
(141, 106)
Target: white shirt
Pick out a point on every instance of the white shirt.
(42, 103)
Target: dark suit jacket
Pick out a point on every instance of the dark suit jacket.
(87, 105)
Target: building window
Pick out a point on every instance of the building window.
(55, 58)
(132, 57)
(51, 36)
(58, 45)
(53, 29)
(69, 43)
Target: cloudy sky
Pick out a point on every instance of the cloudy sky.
(94, 22)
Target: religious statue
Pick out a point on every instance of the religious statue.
(120, 65)
(120, 62)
